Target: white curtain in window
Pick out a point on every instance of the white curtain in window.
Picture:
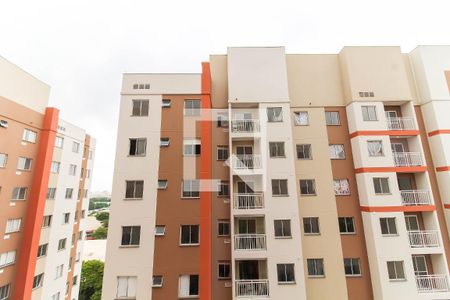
(122, 284)
(301, 118)
(132, 283)
(375, 148)
(183, 286)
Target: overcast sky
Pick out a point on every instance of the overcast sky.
(81, 48)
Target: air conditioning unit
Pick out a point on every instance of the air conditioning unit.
(3, 123)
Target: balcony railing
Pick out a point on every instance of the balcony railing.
(248, 201)
(401, 124)
(423, 238)
(245, 126)
(249, 288)
(416, 197)
(250, 242)
(432, 283)
(407, 159)
(247, 161)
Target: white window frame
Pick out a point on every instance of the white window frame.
(352, 267)
(221, 150)
(304, 146)
(140, 148)
(19, 194)
(75, 147)
(40, 280)
(59, 142)
(13, 225)
(391, 226)
(301, 118)
(190, 147)
(396, 266)
(166, 103)
(68, 191)
(341, 187)
(311, 225)
(157, 281)
(3, 160)
(274, 114)
(72, 169)
(310, 186)
(158, 231)
(7, 258)
(219, 273)
(55, 167)
(24, 163)
(375, 148)
(188, 186)
(190, 110)
(141, 109)
(316, 272)
(337, 151)
(332, 118)
(278, 150)
(130, 290)
(347, 230)
(162, 184)
(379, 181)
(164, 142)
(59, 271)
(284, 270)
(369, 113)
(190, 243)
(29, 136)
(278, 185)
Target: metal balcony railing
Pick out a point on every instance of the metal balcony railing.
(416, 197)
(249, 288)
(250, 242)
(246, 161)
(248, 201)
(401, 124)
(432, 283)
(245, 126)
(423, 238)
(407, 159)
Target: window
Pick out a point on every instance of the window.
(62, 244)
(141, 86)
(166, 103)
(222, 120)
(47, 221)
(3, 160)
(162, 184)
(38, 280)
(274, 114)
(140, 108)
(74, 280)
(69, 193)
(286, 273)
(157, 281)
(346, 225)
(388, 226)
(223, 227)
(381, 185)
(304, 151)
(160, 230)
(276, 149)
(192, 107)
(301, 118)
(164, 142)
(369, 113)
(88, 173)
(55, 167)
(134, 189)
(279, 187)
(126, 287)
(4, 292)
(307, 187)
(72, 169)
(29, 136)
(315, 267)
(85, 193)
(332, 118)
(192, 147)
(191, 188)
(311, 225)
(42, 250)
(352, 267)
(337, 152)
(222, 152)
(75, 147)
(224, 270)
(7, 258)
(137, 147)
(59, 271)
(83, 213)
(282, 228)
(19, 193)
(224, 189)
(189, 235)
(51, 193)
(56, 296)
(13, 225)
(131, 235)
(395, 270)
(80, 235)
(375, 148)
(341, 187)
(24, 164)
(59, 141)
(91, 153)
(66, 217)
(188, 286)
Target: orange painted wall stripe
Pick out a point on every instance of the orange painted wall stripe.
(443, 169)
(35, 210)
(439, 131)
(205, 268)
(385, 132)
(398, 208)
(447, 206)
(391, 169)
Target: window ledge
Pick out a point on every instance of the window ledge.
(308, 195)
(390, 235)
(189, 245)
(316, 276)
(142, 155)
(287, 283)
(312, 234)
(397, 280)
(190, 198)
(348, 233)
(286, 195)
(353, 275)
(129, 246)
(132, 199)
(283, 237)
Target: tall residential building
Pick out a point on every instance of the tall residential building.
(45, 173)
(284, 176)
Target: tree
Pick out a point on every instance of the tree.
(103, 217)
(100, 233)
(91, 280)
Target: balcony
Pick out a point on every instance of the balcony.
(432, 283)
(250, 242)
(252, 288)
(248, 201)
(245, 126)
(396, 123)
(423, 238)
(407, 159)
(416, 197)
(246, 161)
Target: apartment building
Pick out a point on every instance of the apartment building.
(45, 171)
(284, 176)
